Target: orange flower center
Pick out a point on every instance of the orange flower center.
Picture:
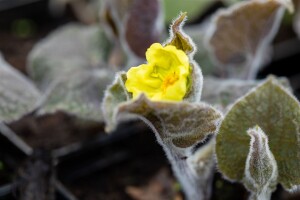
(168, 81)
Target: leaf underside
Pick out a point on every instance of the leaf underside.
(239, 40)
(182, 123)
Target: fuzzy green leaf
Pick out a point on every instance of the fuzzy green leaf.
(18, 95)
(277, 112)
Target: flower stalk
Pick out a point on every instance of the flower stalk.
(165, 93)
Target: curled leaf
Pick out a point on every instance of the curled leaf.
(178, 38)
(182, 123)
(261, 170)
(179, 127)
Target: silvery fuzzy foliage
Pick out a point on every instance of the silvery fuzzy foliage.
(69, 67)
(179, 126)
(261, 171)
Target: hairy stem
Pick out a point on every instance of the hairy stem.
(196, 184)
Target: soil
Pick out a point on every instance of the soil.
(146, 162)
(5, 176)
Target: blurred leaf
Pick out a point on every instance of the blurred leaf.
(239, 40)
(69, 67)
(79, 94)
(135, 24)
(296, 22)
(84, 11)
(197, 33)
(65, 51)
(230, 2)
(223, 92)
(18, 95)
(277, 112)
(143, 26)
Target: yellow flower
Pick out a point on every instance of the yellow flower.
(164, 77)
